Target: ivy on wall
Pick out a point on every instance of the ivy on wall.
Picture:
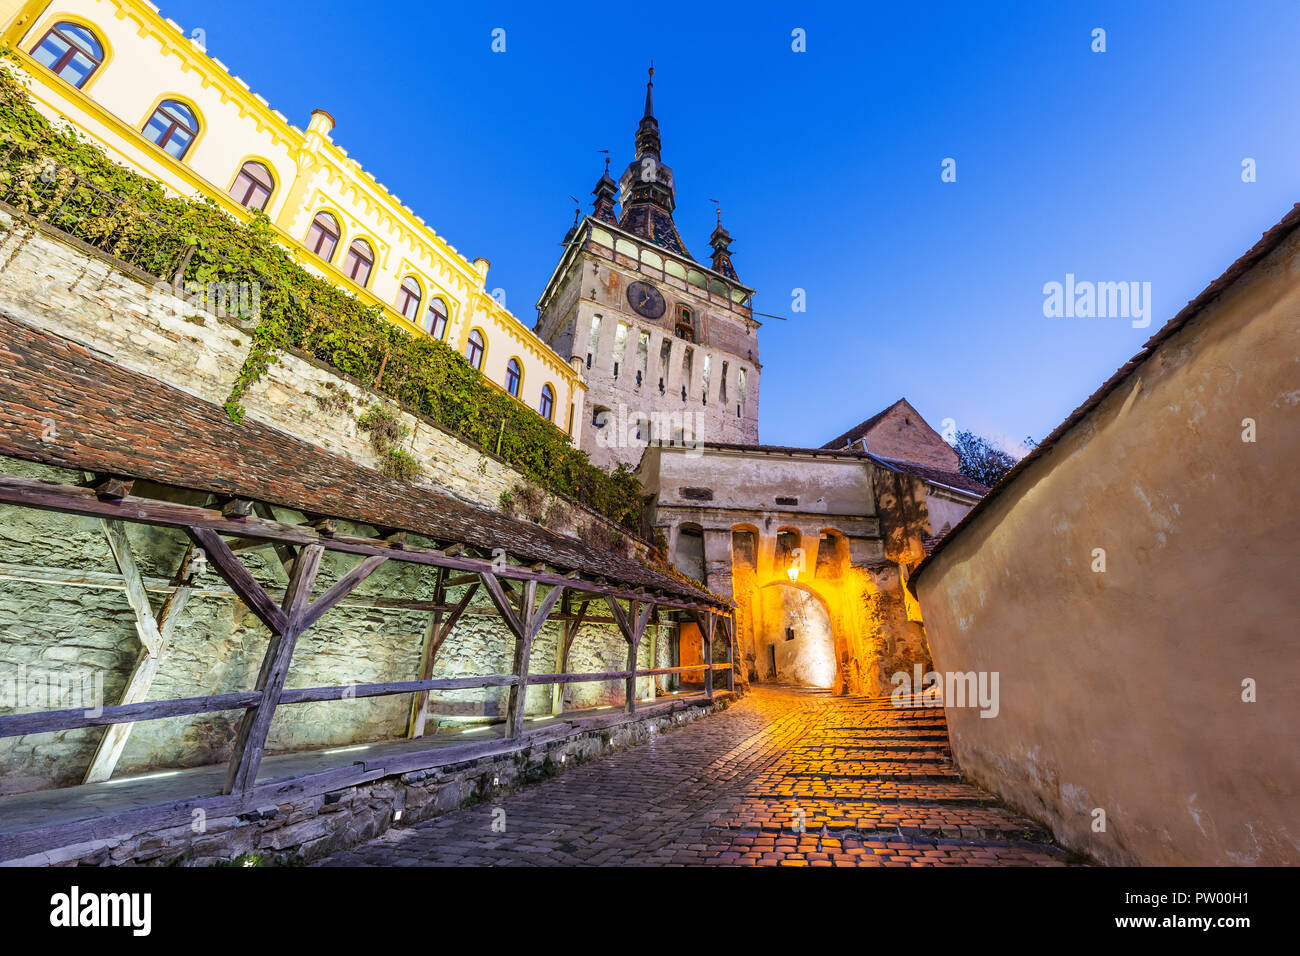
(55, 175)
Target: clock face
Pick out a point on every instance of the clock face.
(646, 300)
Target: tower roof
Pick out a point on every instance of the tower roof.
(646, 187)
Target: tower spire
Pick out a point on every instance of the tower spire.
(606, 193)
(646, 187)
(647, 131)
(721, 243)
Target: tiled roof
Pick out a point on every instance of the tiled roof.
(652, 223)
(105, 418)
(939, 476)
(853, 434)
(785, 449)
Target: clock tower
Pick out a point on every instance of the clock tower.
(667, 345)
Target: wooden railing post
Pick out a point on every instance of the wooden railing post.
(525, 626)
(729, 635)
(632, 625)
(707, 620)
(250, 742)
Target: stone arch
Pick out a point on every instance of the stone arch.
(796, 637)
(744, 547)
(832, 554)
(688, 550)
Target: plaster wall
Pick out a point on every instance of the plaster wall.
(1122, 690)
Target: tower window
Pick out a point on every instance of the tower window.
(685, 328)
(547, 405)
(642, 356)
(173, 127)
(620, 346)
(70, 52)
(514, 376)
(594, 345)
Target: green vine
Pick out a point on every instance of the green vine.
(133, 218)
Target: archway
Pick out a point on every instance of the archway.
(793, 636)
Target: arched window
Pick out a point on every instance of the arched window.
(71, 52)
(173, 126)
(408, 298)
(435, 321)
(323, 235)
(514, 376)
(547, 405)
(475, 349)
(357, 263)
(253, 186)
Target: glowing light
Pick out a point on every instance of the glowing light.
(345, 750)
(793, 572)
(147, 776)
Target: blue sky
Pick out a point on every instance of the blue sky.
(1117, 166)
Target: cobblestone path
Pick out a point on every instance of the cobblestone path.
(784, 777)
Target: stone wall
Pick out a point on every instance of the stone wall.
(82, 639)
(1134, 585)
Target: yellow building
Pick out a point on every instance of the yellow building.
(134, 83)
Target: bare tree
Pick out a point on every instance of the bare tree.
(982, 460)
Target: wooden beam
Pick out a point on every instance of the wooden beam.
(241, 582)
(341, 589)
(237, 508)
(305, 695)
(146, 626)
(250, 741)
(632, 624)
(146, 669)
(523, 652)
(571, 624)
(284, 552)
(70, 499)
(114, 487)
(502, 603)
(525, 627)
(49, 721)
(435, 635)
(729, 636)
